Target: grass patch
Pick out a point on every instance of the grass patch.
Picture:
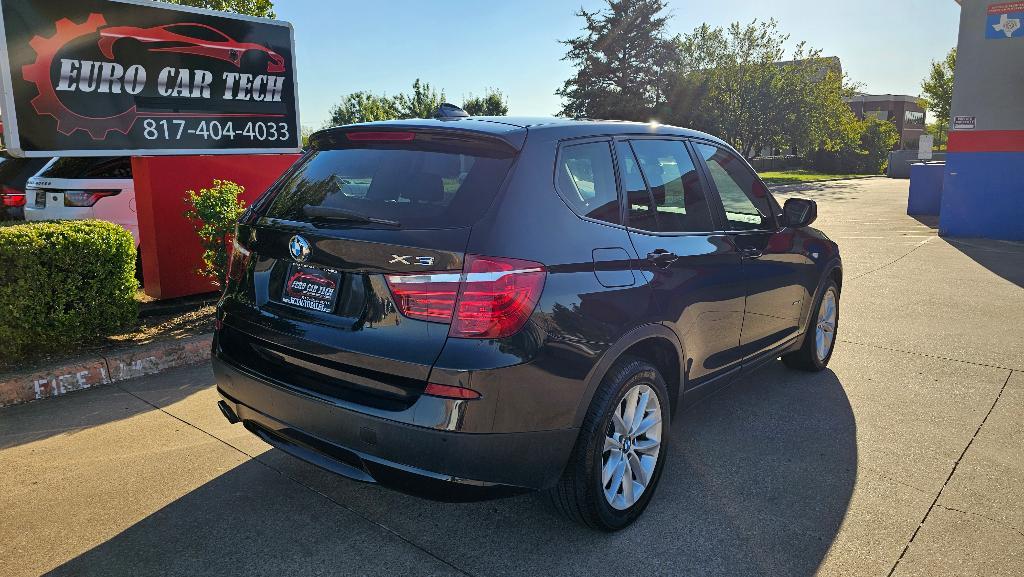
(799, 176)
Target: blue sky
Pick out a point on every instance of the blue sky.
(465, 46)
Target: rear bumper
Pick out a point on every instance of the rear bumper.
(436, 464)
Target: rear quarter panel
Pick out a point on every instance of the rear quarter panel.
(548, 364)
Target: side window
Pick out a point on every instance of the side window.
(585, 178)
(638, 198)
(745, 199)
(116, 168)
(678, 199)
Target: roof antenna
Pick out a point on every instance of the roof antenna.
(450, 112)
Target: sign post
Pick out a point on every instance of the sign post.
(133, 77)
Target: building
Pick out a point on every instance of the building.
(983, 190)
(902, 110)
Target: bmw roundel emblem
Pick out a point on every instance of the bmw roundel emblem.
(299, 248)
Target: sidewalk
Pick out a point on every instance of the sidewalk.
(94, 369)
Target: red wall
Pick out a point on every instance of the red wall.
(171, 253)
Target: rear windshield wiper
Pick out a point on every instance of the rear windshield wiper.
(334, 213)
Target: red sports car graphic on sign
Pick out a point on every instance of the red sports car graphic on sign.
(188, 38)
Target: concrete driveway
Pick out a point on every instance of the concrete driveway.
(905, 458)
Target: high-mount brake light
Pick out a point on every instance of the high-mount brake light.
(491, 298)
(381, 136)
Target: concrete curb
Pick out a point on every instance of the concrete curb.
(115, 366)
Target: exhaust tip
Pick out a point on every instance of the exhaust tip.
(227, 412)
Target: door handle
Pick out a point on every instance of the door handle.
(662, 258)
(751, 252)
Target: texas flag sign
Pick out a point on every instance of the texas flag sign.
(1005, 20)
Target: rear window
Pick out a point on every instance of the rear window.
(421, 184)
(14, 172)
(98, 167)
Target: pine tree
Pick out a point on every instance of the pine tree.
(624, 60)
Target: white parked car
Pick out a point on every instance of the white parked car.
(82, 188)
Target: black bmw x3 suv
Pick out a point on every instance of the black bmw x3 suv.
(469, 306)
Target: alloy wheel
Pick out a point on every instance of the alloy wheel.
(631, 447)
(825, 334)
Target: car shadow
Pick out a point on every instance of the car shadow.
(758, 481)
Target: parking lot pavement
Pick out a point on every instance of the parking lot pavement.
(906, 457)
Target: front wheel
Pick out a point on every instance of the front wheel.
(820, 338)
(618, 457)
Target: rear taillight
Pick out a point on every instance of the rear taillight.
(498, 295)
(238, 261)
(12, 196)
(86, 198)
(491, 298)
(426, 297)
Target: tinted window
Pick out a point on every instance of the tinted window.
(744, 197)
(585, 178)
(641, 213)
(14, 172)
(678, 200)
(98, 167)
(420, 187)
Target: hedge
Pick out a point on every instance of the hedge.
(62, 283)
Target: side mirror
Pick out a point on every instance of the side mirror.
(799, 212)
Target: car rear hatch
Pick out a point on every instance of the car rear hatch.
(313, 309)
(69, 188)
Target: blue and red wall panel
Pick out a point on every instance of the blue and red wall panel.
(983, 190)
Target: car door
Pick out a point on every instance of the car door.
(694, 272)
(773, 266)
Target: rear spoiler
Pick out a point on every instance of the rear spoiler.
(416, 136)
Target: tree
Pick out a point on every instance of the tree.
(362, 107)
(939, 132)
(624, 62)
(937, 90)
(422, 103)
(260, 8)
(877, 139)
(492, 103)
(734, 83)
(214, 212)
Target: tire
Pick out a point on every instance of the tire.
(581, 492)
(809, 356)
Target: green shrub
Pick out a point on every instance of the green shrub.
(62, 283)
(214, 212)
(867, 153)
(878, 138)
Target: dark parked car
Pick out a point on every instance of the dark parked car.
(462, 307)
(14, 173)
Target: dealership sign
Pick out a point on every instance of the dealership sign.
(114, 77)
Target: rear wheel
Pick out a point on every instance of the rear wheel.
(820, 338)
(618, 458)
